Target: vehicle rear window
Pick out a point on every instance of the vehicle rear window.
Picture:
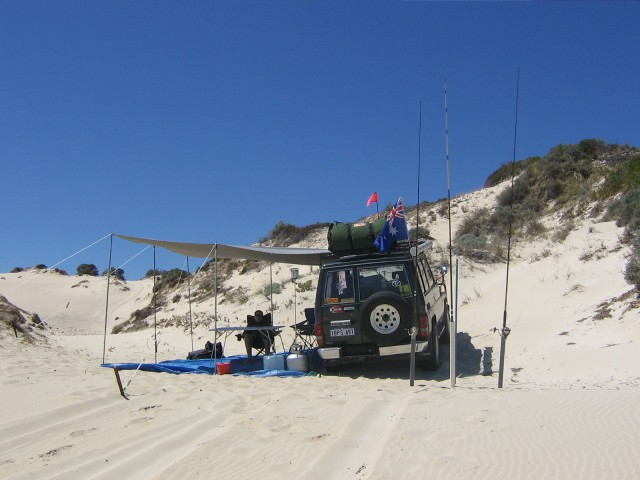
(389, 278)
(338, 287)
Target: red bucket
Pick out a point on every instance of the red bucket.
(222, 368)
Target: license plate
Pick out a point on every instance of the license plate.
(342, 332)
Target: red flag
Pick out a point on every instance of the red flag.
(372, 198)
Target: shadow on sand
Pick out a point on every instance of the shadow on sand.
(470, 361)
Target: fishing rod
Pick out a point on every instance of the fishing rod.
(414, 328)
(504, 333)
(452, 331)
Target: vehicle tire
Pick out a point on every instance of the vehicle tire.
(445, 335)
(431, 361)
(386, 318)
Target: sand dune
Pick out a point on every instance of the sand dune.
(568, 409)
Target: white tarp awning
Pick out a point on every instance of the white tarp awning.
(295, 256)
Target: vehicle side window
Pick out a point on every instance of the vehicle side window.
(338, 287)
(391, 278)
(422, 278)
(425, 272)
(430, 273)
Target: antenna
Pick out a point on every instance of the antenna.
(504, 333)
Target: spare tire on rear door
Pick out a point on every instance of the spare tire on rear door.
(386, 318)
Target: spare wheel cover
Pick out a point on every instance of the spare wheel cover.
(385, 317)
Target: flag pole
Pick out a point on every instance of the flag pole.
(374, 198)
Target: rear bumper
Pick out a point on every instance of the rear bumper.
(337, 353)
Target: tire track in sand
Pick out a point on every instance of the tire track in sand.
(361, 443)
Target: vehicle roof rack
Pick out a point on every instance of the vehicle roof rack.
(399, 247)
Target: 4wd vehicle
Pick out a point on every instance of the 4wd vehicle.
(366, 306)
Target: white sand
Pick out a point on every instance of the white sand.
(570, 406)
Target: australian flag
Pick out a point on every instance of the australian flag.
(395, 228)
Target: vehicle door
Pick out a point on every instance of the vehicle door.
(385, 301)
(338, 307)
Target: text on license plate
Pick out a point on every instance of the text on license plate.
(342, 332)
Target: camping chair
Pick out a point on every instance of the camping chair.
(259, 347)
(258, 343)
(305, 335)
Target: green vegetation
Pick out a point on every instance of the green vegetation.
(626, 211)
(167, 278)
(87, 269)
(305, 286)
(238, 295)
(506, 171)
(567, 179)
(285, 234)
(115, 272)
(419, 233)
(271, 288)
(632, 272)
(622, 177)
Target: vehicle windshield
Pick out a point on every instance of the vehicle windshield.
(389, 278)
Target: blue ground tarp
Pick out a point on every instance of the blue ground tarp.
(239, 366)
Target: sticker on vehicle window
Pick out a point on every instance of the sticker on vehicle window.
(339, 300)
(405, 289)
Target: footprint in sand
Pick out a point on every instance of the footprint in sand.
(150, 407)
(281, 428)
(81, 433)
(55, 451)
(140, 420)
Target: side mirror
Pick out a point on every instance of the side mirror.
(443, 269)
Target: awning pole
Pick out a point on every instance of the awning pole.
(271, 291)
(122, 391)
(155, 307)
(215, 302)
(189, 290)
(106, 308)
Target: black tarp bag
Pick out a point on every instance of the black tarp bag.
(206, 352)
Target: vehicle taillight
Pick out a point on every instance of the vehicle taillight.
(317, 330)
(423, 331)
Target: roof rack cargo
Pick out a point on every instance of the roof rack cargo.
(399, 247)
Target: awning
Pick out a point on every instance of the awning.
(295, 256)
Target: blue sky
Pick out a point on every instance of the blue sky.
(211, 121)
